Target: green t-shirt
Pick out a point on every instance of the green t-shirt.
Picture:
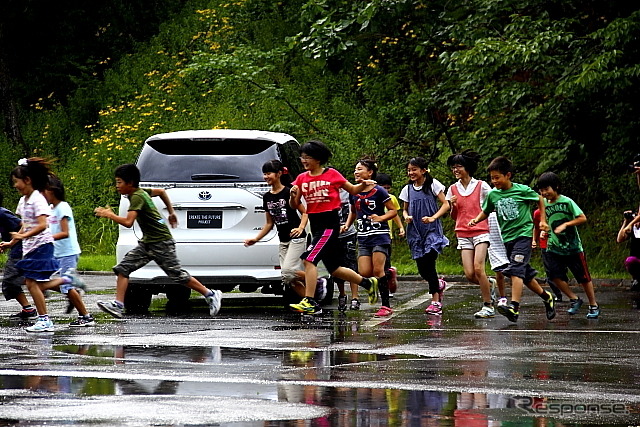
(562, 210)
(513, 208)
(154, 228)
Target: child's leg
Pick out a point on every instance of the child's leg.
(37, 295)
(564, 287)
(479, 260)
(379, 260)
(500, 283)
(427, 270)
(76, 300)
(590, 292)
(310, 279)
(468, 261)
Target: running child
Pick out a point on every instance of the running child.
(320, 188)
(425, 236)
(66, 249)
(288, 222)
(385, 182)
(512, 201)
(373, 208)
(564, 248)
(31, 178)
(349, 242)
(157, 243)
(466, 197)
(12, 280)
(540, 241)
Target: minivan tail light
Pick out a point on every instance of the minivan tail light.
(255, 189)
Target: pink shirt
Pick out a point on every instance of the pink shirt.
(467, 208)
(322, 192)
(30, 209)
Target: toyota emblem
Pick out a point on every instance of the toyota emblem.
(204, 195)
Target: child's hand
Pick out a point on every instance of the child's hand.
(544, 226)
(428, 219)
(173, 220)
(453, 199)
(401, 232)
(375, 218)
(17, 236)
(408, 219)
(102, 212)
(296, 232)
(293, 191)
(250, 242)
(559, 229)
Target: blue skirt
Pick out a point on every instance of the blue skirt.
(39, 264)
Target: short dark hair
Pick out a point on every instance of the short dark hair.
(469, 159)
(56, 187)
(384, 179)
(501, 164)
(129, 173)
(317, 150)
(549, 179)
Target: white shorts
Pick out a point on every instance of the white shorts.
(290, 262)
(472, 242)
(497, 253)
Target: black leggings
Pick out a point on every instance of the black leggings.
(427, 270)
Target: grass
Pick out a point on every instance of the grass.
(90, 262)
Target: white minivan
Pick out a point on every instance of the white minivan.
(215, 183)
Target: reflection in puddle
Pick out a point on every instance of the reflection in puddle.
(319, 378)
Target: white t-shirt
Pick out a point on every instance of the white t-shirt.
(29, 210)
(69, 245)
(436, 188)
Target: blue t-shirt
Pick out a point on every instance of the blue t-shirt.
(9, 222)
(69, 245)
(371, 233)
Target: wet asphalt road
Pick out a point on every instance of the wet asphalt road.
(256, 364)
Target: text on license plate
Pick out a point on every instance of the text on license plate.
(204, 219)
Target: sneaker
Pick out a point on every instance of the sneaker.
(24, 315)
(41, 326)
(509, 312)
(393, 280)
(575, 305)
(493, 287)
(355, 304)
(550, 306)
(112, 308)
(502, 301)
(83, 321)
(373, 290)
(321, 289)
(435, 308)
(342, 303)
(594, 312)
(306, 307)
(214, 301)
(485, 312)
(384, 312)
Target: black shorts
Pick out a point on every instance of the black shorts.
(557, 266)
(325, 247)
(519, 254)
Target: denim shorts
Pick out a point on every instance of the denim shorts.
(519, 254)
(369, 250)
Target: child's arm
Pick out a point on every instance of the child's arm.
(359, 187)
(39, 228)
(625, 230)
(268, 226)
(444, 208)
(389, 214)
(580, 219)
(294, 197)
(398, 222)
(164, 196)
(405, 213)
(304, 218)
(64, 229)
(481, 217)
(350, 219)
(106, 212)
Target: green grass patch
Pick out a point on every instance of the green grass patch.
(90, 262)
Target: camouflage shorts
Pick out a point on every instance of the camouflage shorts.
(163, 253)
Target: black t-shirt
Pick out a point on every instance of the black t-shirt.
(284, 217)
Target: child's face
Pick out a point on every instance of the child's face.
(415, 173)
(459, 171)
(309, 162)
(549, 193)
(362, 172)
(124, 187)
(22, 185)
(386, 187)
(48, 194)
(271, 178)
(500, 180)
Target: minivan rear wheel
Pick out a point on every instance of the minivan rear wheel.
(137, 299)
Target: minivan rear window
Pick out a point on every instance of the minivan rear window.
(213, 160)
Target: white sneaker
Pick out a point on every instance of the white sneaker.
(503, 302)
(214, 301)
(485, 313)
(41, 326)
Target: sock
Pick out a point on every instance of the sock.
(365, 283)
(43, 317)
(383, 286)
(27, 307)
(209, 294)
(516, 305)
(546, 295)
(488, 304)
(118, 303)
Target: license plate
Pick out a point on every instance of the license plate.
(204, 219)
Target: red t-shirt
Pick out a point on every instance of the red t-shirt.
(542, 242)
(322, 192)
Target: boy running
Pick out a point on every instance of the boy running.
(511, 201)
(157, 243)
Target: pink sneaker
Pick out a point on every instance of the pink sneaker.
(384, 312)
(435, 308)
(393, 280)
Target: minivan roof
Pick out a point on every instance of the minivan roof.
(221, 134)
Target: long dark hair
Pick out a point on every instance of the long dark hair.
(275, 166)
(421, 162)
